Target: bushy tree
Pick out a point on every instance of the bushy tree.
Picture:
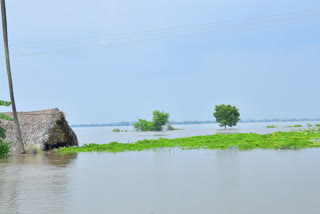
(226, 115)
(159, 119)
(143, 125)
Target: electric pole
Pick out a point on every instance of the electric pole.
(19, 148)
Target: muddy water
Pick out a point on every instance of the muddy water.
(163, 181)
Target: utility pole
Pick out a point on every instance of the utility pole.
(19, 145)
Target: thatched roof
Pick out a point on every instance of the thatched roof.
(43, 130)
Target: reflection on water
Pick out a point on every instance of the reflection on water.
(163, 181)
(34, 182)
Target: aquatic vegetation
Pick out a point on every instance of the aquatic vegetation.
(244, 141)
(272, 126)
(289, 126)
(118, 130)
(317, 125)
(309, 125)
(297, 126)
(171, 128)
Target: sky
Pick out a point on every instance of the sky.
(270, 71)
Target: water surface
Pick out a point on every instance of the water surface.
(163, 181)
(101, 135)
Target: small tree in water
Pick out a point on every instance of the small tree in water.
(226, 115)
(159, 119)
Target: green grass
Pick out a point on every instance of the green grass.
(297, 126)
(317, 125)
(272, 126)
(4, 149)
(289, 126)
(244, 141)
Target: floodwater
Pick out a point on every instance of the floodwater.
(101, 135)
(168, 181)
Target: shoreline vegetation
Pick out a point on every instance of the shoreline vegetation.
(131, 123)
(243, 141)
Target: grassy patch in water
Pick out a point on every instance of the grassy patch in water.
(297, 126)
(272, 126)
(244, 141)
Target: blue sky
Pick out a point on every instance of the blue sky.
(270, 72)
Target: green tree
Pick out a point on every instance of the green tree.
(143, 125)
(159, 119)
(226, 115)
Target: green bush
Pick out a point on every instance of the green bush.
(271, 126)
(4, 146)
(116, 130)
(159, 119)
(4, 149)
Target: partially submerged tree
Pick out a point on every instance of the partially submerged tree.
(226, 115)
(158, 121)
(19, 148)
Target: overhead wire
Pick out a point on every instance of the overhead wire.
(128, 35)
(180, 34)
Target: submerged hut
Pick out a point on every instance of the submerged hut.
(44, 130)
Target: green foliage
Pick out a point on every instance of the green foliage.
(4, 117)
(272, 126)
(226, 115)
(317, 125)
(4, 146)
(4, 149)
(116, 130)
(171, 128)
(297, 126)
(244, 141)
(143, 125)
(4, 103)
(289, 126)
(309, 125)
(159, 120)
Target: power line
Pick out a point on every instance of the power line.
(126, 35)
(192, 33)
(141, 42)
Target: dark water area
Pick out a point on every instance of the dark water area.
(163, 181)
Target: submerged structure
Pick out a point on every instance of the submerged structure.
(44, 130)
